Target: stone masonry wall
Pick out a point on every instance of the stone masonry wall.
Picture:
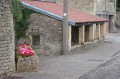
(82, 5)
(7, 62)
(118, 21)
(90, 6)
(105, 5)
(50, 31)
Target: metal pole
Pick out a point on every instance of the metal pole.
(115, 1)
(65, 27)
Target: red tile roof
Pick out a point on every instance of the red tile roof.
(75, 15)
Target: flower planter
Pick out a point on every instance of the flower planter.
(28, 64)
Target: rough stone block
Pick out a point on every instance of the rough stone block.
(28, 64)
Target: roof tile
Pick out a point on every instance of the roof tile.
(75, 15)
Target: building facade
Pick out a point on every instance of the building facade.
(102, 8)
(107, 9)
(46, 34)
(7, 54)
(46, 29)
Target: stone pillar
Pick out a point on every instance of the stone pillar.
(95, 31)
(91, 33)
(7, 47)
(82, 34)
(30, 38)
(98, 31)
(69, 37)
(106, 27)
(102, 30)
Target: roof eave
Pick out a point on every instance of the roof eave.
(71, 22)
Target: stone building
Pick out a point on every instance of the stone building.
(118, 20)
(102, 8)
(46, 29)
(7, 61)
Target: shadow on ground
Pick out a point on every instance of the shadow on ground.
(13, 77)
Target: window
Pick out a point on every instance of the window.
(36, 40)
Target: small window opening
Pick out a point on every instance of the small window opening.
(36, 40)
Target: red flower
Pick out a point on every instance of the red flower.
(25, 50)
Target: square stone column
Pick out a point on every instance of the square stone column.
(82, 34)
(69, 37)
(107, 28)
(95, 31)
(30, 37)
(102, 30)
(91, 33)
(98, 31)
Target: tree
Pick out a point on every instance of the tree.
(16, 9)
(118, 5)
(21, 17)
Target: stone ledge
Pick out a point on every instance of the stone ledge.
(86, 45)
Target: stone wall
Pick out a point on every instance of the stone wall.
(90, 6)
(105, 5)
(50, 31)
(7, 61)
(82, 5)
(118, 20)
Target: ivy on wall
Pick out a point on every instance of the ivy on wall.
(22, 26)
(21, 17)
(16, 9)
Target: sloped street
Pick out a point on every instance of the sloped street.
(75, 65)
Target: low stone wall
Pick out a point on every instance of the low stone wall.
(28, 64)
(87, 45)
(7, 61)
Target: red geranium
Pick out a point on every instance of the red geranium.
(25, 50)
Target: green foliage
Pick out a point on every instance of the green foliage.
(16, 9)
(118, 5)
(22, 26)
(21, 17)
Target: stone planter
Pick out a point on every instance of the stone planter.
(28, 64)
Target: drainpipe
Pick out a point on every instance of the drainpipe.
(65, 27)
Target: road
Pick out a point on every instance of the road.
(75, 65)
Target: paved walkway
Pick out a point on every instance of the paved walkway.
(73, 66)
(108, 70)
